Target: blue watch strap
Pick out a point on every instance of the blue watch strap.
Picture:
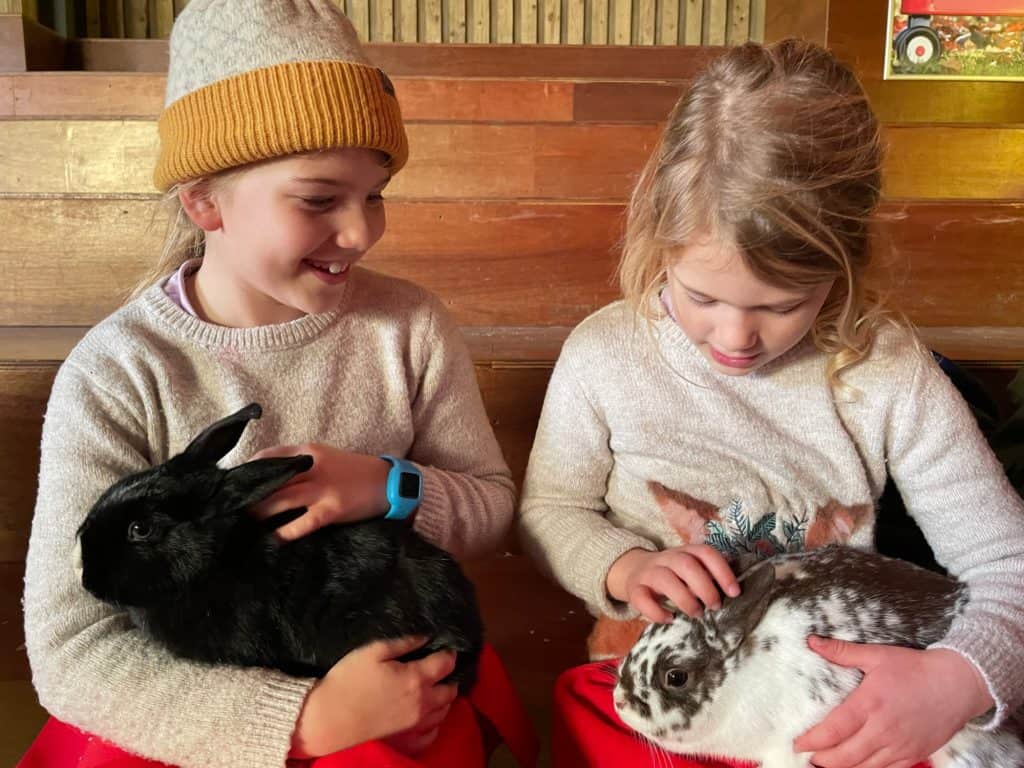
(404, 488)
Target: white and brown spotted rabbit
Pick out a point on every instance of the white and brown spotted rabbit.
(742, 683)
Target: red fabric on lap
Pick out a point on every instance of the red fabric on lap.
(587, 733)
(461, 742)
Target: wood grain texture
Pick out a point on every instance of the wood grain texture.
(808, 19)
(504, 264)
(585, 162)
(579, 162)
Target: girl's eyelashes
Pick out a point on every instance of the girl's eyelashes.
(324, 203)
(704, 301)
(700, 301)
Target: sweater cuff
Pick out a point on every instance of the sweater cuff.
(1002, 668)
(433, 515)
(596, 556)
(275, 713)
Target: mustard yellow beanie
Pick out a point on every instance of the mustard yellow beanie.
(251, 80)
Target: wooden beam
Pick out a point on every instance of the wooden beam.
(807, 19)
(12, 43)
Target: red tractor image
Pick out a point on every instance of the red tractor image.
(919, 43)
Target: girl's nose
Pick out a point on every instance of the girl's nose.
(739, 334)
(354, 232)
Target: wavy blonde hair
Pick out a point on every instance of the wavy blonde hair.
(776, 151)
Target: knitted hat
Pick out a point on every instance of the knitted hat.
(256, 79)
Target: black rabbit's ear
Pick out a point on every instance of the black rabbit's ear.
(254, 481)
(214, 442)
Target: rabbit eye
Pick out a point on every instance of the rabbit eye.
(675, 678)
(139, 531)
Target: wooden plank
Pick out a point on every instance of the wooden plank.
(668, 22)
(504, 264)
(12, 44)
(44, 48)
(646, 21)
(161, 17)
(605, 102)
(715, 17)
(621, 63)
(382, 20)
(620, 31)
(358, 12)
(406, 22)
(757, 20)
(503, 12)
(447, 160)
(598, 28)
(738, 25)
(10, 7)
(20, 710)
(139, 95)
(93, 25)
(478, 24)
(551, 21)
(455, 21)
(128, 95)
(575, 28)
(808, 19)
(527, 13)
(136, 18)
(430, 21)
(599, 162)
(112, 18)
(693, 22)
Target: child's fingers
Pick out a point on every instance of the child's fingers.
(716, 564)
(314, 518)
(642, 598)
(666, 582)
(295, 494)
(695, 576)
(277, 452)
(387, 650)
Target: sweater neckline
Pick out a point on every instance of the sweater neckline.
(267, 337)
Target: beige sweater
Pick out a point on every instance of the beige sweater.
(385, 373)
(641, 444)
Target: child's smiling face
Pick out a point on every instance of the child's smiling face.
(738, 322)
(289, 232)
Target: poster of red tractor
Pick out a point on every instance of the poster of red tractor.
(956, 39)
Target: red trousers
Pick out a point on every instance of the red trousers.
(587, 733)
(461, 741)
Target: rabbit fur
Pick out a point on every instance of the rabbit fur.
(742, 683)
(175, 546)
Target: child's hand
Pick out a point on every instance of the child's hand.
(684, 575)
(340, 487)
(909, 704)
(368, 694)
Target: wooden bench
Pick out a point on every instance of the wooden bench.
(510, 209)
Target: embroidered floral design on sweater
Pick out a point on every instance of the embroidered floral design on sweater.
(732, 532)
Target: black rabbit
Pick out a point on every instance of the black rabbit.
(175, 546)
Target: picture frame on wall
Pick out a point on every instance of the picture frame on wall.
(955, 40)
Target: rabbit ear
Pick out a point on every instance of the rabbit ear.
(739, 615)
(214, 442)
(255, 480)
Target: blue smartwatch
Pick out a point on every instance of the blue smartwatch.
(404, 488)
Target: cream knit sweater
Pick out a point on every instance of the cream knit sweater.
(385, 373)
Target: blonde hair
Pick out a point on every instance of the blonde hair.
(183, 239)
(775, 150)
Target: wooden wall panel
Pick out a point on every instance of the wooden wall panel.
(502, 264)
(537, 161)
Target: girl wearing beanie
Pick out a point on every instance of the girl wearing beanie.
(277, 141)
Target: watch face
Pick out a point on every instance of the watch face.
(409, 485)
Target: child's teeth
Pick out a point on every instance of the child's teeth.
(335, 268)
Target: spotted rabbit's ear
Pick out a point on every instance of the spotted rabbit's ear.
(686, 515)
(214, 442)
(739, 615)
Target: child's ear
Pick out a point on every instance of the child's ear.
(200, 206)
